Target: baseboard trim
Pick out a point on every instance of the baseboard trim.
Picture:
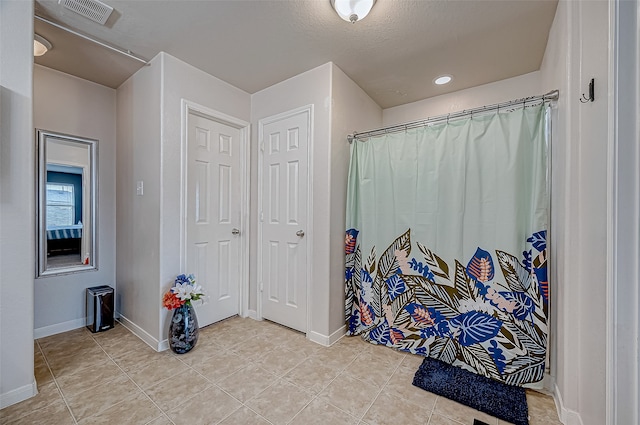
(327, 340)
(19, 394)
(143, 335)
(252, 314)
(566, 416)
(58, 328)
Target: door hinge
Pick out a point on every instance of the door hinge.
(261, 286)
(261, 216)
(262, 145)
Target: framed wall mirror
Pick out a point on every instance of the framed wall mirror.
(66, 197)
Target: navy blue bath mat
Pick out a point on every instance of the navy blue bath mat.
(503, 401)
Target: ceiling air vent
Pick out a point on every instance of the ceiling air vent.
(92, 9)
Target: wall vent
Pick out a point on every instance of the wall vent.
(92, 9)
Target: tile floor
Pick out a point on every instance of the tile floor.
(241, 372)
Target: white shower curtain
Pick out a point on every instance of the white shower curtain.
(446, 243)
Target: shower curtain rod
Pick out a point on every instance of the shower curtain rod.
(552, 95)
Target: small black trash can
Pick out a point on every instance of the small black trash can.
(99, 308)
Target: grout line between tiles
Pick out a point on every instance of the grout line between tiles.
(55, 380)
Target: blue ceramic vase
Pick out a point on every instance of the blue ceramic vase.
(183, 329)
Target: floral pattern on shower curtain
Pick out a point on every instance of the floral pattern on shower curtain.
(446, 247)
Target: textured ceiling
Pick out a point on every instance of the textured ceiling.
(393, 54)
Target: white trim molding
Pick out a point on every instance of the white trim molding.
(59, 328)
(327, 340)
(566, 416)
(19, 394)
(143, 335)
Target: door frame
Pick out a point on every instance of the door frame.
(189, 107)
(308, 109)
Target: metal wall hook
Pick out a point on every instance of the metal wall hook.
(592, 96)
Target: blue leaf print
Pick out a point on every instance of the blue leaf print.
(396, 286)
(348, 273)
(539, 240)
(475, 327)
(381, 333)
(365, 276)
(480, 267)
(526, 260)
(423, 269)
(354, 321)
(498, 357)
(522, 304)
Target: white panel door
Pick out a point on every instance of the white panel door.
(284, 194)
(213, 215)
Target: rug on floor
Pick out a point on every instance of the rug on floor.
(502, 401)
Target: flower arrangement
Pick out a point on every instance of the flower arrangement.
(184, 291)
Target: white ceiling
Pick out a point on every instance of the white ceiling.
(393, 54)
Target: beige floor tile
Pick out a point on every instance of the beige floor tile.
(162, 420)
(412, 362)
(312, 375)
(375, 369)
(401, 385)
(132, 360)
(66, 338)
(244, 416)
(177, 389)
(150, 373)
(280, 402)
(202, 351)
(118, 347)
(460, 412)
(349, 394)
(48, 394)
(280, 360)
(69, 365)
(207, 407)
(320, 412)
(41, 370)
(442, 420)
(542, 409)
(138, 410)
(229, 338)
(220, 365)
(302, 345)
(88, 377)
(56, 413)
(391, 409)
(336, 357)
(247, 382)
(97, 399)
(253, 348)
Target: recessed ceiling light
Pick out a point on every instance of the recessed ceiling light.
(443, 79)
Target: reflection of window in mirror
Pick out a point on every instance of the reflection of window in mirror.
(64, 215)
(66, 203)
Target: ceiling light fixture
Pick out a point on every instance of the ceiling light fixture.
(443, 79)
(352, 10)
(40, 45)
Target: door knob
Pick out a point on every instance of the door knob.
(235, 231)
(300, 233)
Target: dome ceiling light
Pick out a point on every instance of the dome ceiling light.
(40, 45)
(352, 10)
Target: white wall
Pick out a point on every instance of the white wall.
(487, 94)
(149, 137)
(352, 109)
(17, 216)
(138, 217)
(70, 105)
(577, 51)
(311, 87)
(183, 81)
